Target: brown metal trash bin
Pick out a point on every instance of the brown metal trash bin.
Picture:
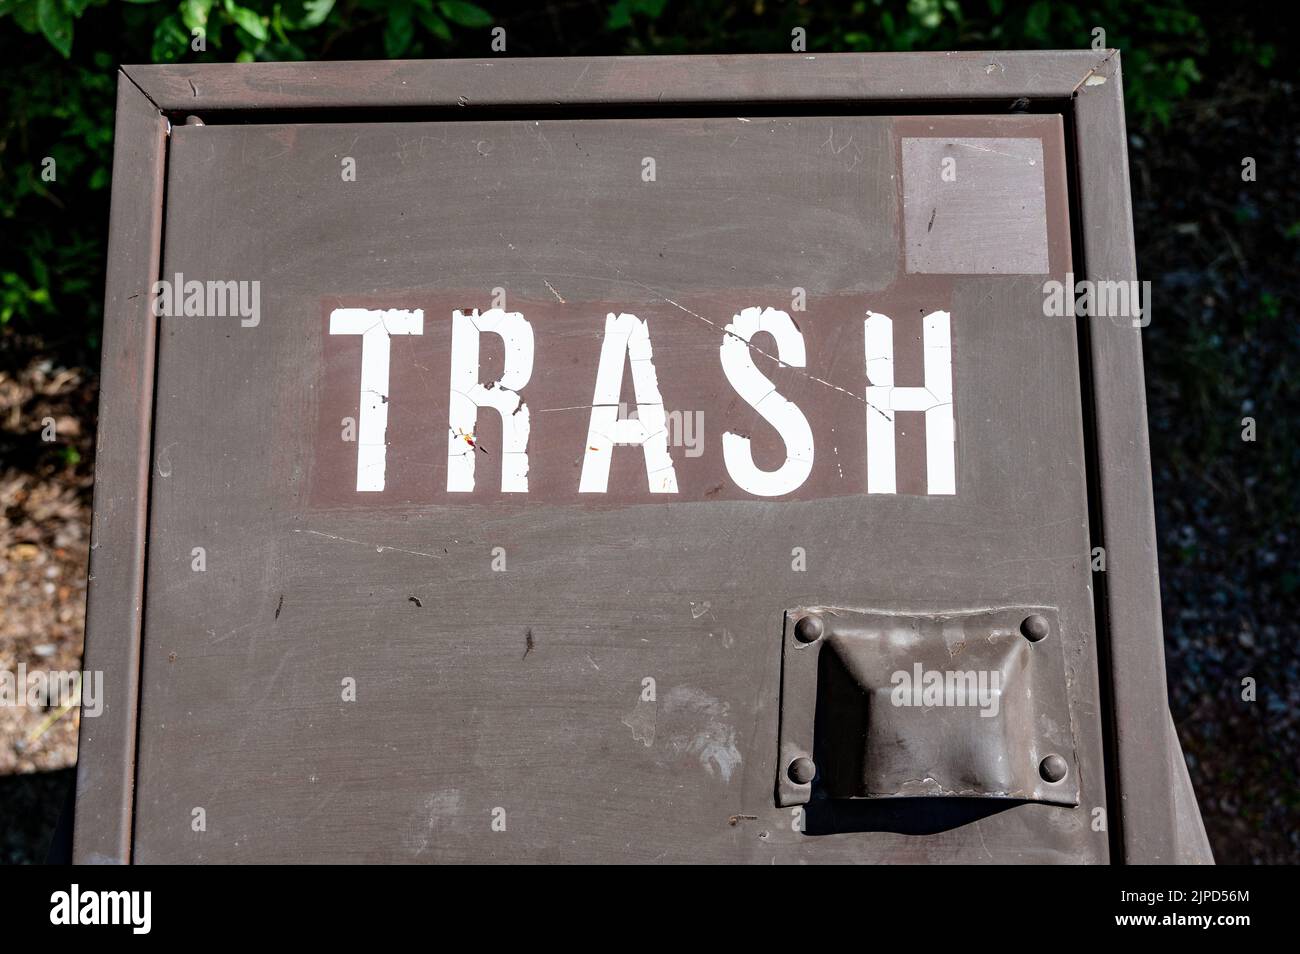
(664, 459)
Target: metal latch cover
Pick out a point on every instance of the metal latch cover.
(969, 704)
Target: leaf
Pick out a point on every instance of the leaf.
(307, 14)
(926, 12)
(1036, 20)
(194, 14)
(278, 24)
(56, 24)
(25, 16)
(434, 24)
(170, 40)
(249, 21)
(619, 16)
(317, 11)
(620, 13)
(399, 32)
(465, 14)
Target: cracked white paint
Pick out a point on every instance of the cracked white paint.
(468, 394)
(759, 392)
(376, 327)
(627, 335)
(934, 398)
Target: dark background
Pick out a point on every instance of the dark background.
(1207, 85)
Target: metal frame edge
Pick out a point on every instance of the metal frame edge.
(118, 540)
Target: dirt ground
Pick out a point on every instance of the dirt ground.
(44, 544)
(1223, 346)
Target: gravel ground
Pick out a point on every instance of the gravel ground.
(1223, 345)
(44, 543)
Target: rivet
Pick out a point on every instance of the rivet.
(1035, 627)
(802, 770)
(809, 629)
(1052, 768)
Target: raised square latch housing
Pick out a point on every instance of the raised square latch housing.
(971, 704)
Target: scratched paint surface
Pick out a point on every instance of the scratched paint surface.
(984, 213)
(501, 640)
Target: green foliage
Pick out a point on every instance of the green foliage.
(622, 11)
(57, 60)
(58, 63)
(57, 122)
